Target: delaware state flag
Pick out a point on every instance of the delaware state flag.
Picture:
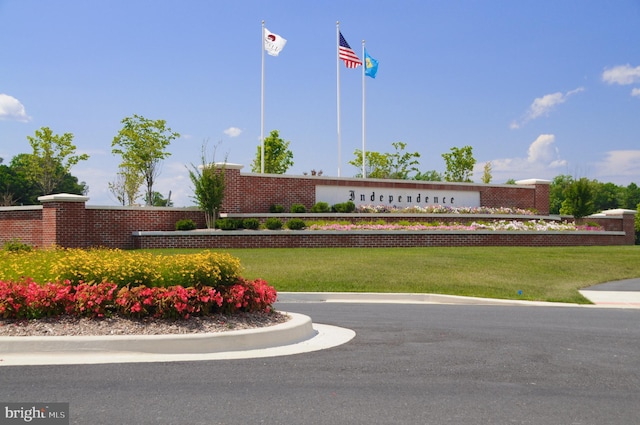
(370, 65)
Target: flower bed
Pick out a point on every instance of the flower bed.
(500, 225)
(440, 209)
(104, 282)
(27, 299)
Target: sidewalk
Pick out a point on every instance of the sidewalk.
(620, 294)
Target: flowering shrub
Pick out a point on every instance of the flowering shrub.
(249, 296)
(27, 299)
(172, 302)
(92, 300)
(143, 268)
(440, 209)
(35, 263)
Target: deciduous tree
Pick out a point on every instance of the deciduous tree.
(377, 165)
(486, 175)
(578, 200)
(459, 162)
(142, 144)
(429, 176)
(208, 187)
(126, 185)
(52, 158)
(278, 158)
(395, 165)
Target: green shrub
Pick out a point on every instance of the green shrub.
(185, 224)
(227, 224)
(345, 207)
(295, 224)
(273, 223)
(298, 209)
(320, 207)
(276, 209)
(251, 223)
(16, 245)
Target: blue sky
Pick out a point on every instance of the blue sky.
(538, 88)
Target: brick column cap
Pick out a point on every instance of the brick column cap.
(528, 182)
(63, 197)
(229, 165)
(619, 211)
(226, 165)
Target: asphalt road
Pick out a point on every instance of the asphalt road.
(408, 364)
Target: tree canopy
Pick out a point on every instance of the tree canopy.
(142, 145)
(52, 157)
(459, 164)
(395, 165)
(278, 158)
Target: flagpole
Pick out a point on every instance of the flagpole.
(364, 115)
(262, 107)
(338, 95)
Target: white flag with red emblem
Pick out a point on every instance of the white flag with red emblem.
(273, 43)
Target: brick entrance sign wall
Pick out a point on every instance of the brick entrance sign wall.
(255, 193)
(65, 220)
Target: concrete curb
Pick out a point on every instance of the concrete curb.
(407, 298)
(599, 298)
(298, 328)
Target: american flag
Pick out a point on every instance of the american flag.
(347, 54)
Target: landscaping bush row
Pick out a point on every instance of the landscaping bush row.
(319, 207)
(27, 299)
(272, 223)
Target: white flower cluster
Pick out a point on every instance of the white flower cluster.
(440, 209)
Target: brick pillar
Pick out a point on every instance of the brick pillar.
(541, 197)
(63, 220)
(232, 196)
(628, 223)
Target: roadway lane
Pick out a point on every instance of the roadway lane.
(408, 364)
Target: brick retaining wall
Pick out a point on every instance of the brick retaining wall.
(369, 239)
(23, 223)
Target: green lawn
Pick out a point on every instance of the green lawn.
(544, 274)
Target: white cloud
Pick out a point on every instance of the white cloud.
(12, 109)
(635, 92)
(543, 105)
(543, 150)
(622, 74)
(233, 131)
(623, 165)
(542, 161)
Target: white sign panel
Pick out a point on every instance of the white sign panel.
(400, 198)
